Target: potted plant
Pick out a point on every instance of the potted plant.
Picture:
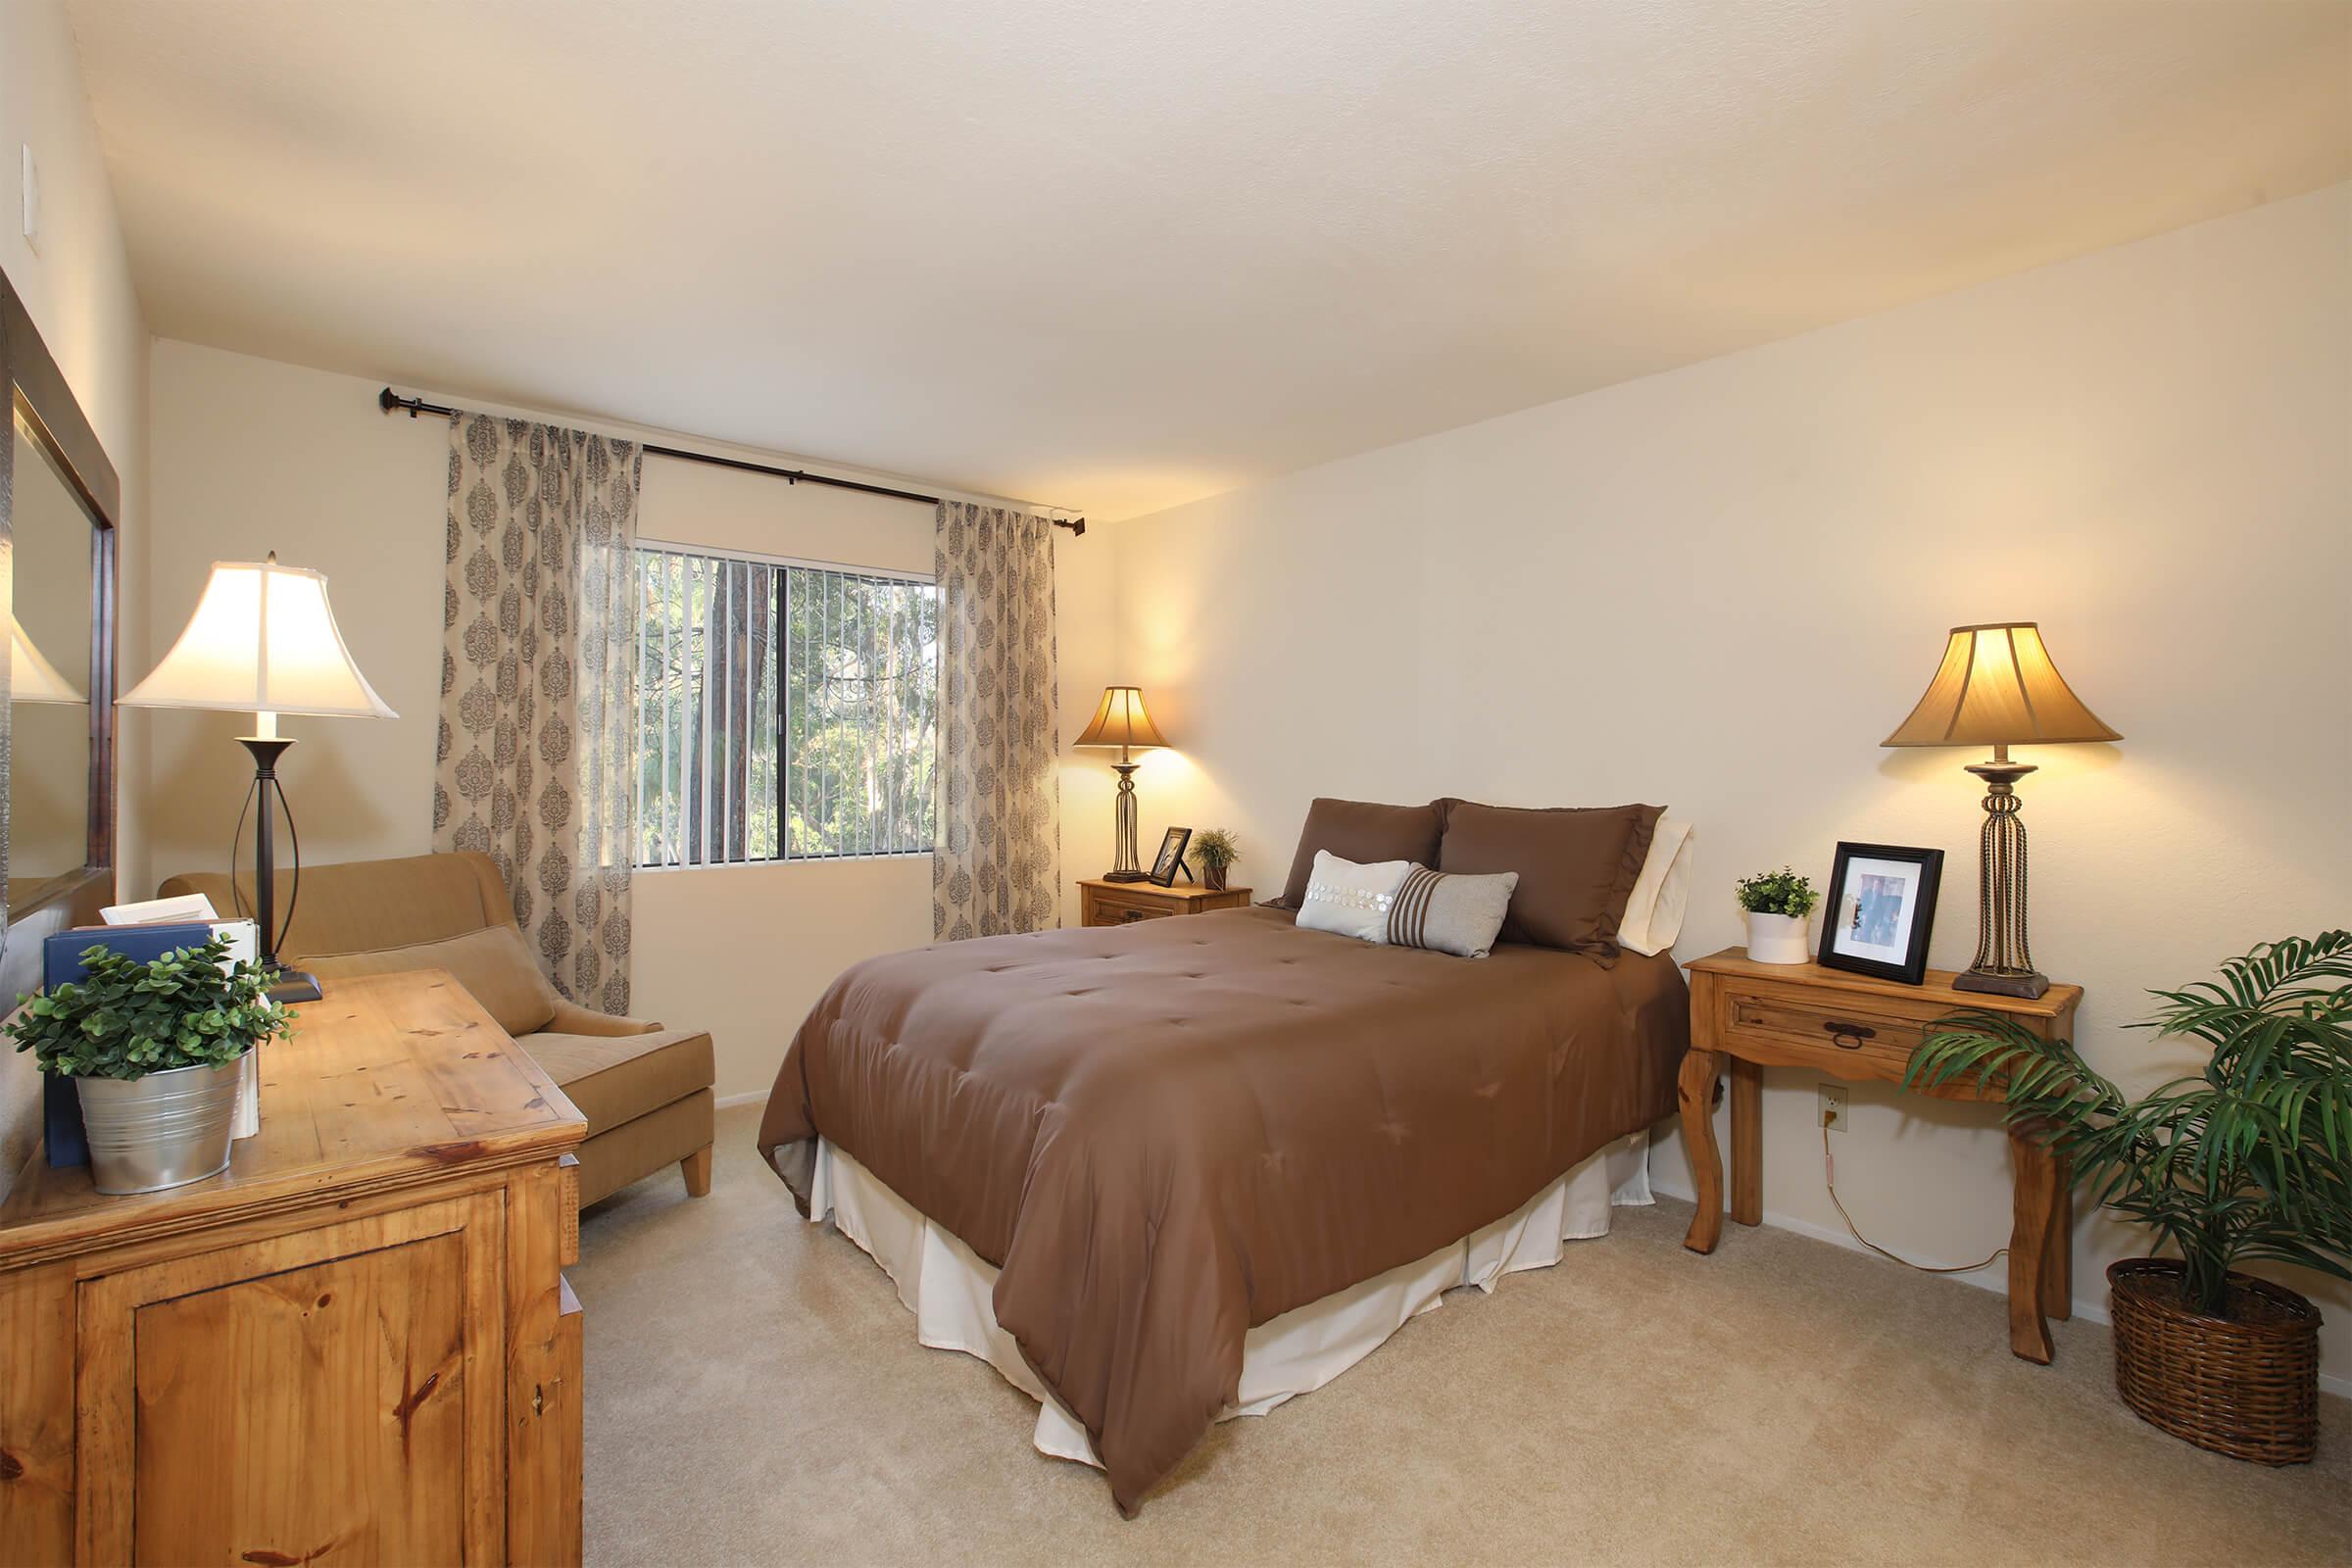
(2249, 1160)
(1213, 850)
(154, 1051)
(1776, 904)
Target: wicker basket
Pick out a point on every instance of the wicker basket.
(2247, 1386)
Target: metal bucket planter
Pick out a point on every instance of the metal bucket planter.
(164, 1130)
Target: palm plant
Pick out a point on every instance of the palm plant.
(2250, 1159)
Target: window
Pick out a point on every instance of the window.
(783, 711)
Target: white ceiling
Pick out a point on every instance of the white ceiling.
(1116, 255)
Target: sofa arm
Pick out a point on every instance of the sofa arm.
(573, 1019)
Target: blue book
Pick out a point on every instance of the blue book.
(61, 963)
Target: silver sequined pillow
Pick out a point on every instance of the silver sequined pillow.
(1349, 900)
(1396, 902)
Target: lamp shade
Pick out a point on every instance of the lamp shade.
(1121, 722)
(1998, 687)
(32, 678)
(263, 639)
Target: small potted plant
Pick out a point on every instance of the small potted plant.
(2248, 1160)
(1776, 904)
(154, 1051)
(1213, 850)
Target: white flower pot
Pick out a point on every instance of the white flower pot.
(1777, 939)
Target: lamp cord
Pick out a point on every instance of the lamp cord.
(1829, 1173)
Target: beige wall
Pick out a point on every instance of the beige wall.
(76, 287)
(252, 455)
(1720, 587)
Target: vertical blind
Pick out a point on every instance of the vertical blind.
(784, 712)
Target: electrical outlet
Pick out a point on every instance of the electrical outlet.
(1832, 1107)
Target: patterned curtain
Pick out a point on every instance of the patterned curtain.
(539, 687)
(997, 864)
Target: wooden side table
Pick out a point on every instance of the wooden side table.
(1106, 903)
(1753, 1015)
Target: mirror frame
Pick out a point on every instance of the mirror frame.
(39, 394)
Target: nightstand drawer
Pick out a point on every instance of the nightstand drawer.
(1801, 1028)
(1109, 908)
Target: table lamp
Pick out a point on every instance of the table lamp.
(1121, 722)
(264, 638)
(1996, 686)
(32, 678)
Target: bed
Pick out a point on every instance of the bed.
(1148, 1141)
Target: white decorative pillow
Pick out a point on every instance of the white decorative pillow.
(1653, 914)
(1396, 902)
(1349, 900)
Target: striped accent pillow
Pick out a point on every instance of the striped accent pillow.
(1449, 911)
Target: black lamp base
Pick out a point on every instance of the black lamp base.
(1126, 877)
(295, 985)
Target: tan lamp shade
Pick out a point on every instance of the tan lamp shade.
(32, 678)
(1998, 687)
(1121, 722)
(263, 640)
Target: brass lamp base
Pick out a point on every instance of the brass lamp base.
(1130, 868)
(2004, 965)
(2028, 983)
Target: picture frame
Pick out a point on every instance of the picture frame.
(1171, 857)
(1881, 910)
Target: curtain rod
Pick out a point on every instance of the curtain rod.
(389, 399)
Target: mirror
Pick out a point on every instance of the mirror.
(59, 499)
(49, 676)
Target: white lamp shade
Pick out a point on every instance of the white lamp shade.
(263, 639)
(32, 678)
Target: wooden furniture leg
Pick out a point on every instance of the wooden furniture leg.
(697, 1167)
(2035, 1175)
(2058, 1268)
(1748, 1146)
(1695, 1090)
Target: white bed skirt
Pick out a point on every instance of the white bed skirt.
(949, 1287)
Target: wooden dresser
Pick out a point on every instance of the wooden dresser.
(355, 1345)
(1103, 902)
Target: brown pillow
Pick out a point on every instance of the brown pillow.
(492, 965)
(1364, 832)
(1577, 866)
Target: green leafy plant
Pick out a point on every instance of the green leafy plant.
(1781, 892)
(2250, 1159)
(1214, 849)
(126, 1019)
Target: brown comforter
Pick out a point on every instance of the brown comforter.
(1167, 1133)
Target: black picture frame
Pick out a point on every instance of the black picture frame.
(1843, 946)
(1171, 857)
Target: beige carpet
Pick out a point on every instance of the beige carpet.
(755, 1394)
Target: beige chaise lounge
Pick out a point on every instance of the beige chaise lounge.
(645, 1090)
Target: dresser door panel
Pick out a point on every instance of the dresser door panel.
(324, 1396)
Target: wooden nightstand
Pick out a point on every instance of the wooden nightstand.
(1855, 1027)
(1102, 902)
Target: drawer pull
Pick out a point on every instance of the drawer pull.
(1133, 916)
(1848, 1035)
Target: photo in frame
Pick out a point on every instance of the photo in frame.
(1881, 910)
(1171, 857)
